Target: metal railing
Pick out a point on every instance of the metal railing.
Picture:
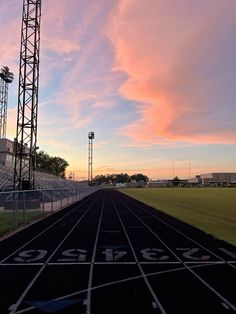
(20, 208)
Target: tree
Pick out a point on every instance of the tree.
(176, 181)
(53, 165)
(139, 177)
(100, 179)
(122, 178)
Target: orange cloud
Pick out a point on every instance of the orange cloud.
(172, 54)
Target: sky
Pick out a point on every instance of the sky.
(154, 79)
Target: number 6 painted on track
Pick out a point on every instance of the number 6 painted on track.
(29, 256)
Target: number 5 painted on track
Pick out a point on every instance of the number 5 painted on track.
(73, 255)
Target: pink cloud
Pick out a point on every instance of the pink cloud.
(172, 54)
(10, 47)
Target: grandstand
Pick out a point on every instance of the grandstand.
(43, 180)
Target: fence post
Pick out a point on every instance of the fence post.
(14, 207)
(52, 201)
(24, 214)
(43, 203)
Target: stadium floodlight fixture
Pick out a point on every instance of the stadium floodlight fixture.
(91, 135)
(6, 75)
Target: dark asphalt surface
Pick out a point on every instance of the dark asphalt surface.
(112, 254)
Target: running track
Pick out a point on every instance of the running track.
(112, 254)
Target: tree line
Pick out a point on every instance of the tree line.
(53, 165)
(119, 178)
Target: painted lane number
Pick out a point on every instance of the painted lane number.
(73, 255)
(189, 254)
(154, 254)
(113, 256)
(30, 256)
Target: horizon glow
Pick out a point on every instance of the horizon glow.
(154, 79)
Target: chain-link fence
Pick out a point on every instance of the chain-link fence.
(19, 208)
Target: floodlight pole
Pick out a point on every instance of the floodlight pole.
(26, 134)
(6, 77)
(90, 156)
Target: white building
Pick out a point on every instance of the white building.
(218, 177)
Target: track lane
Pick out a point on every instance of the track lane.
(20, 240)
(15, 307)
(100, 265)
(215, 285)
(221, 250)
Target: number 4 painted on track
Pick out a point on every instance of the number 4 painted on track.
(113, 256)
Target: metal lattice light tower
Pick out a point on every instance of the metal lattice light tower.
(26, 134)
(6, 77)
(90, 156)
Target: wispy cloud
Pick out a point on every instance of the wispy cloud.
(146, 76)
(176, 56)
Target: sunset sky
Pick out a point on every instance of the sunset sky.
(154, 79)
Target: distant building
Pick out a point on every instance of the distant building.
(6, 152)
(196, 180)
(218, 178)
(135, 184)
(160, 184)
(120, 185)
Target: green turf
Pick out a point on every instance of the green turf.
(212, 210)
(8, 222)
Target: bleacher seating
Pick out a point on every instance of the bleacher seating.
(43, 180)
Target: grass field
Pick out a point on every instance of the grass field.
(8, 223)
(212, 210)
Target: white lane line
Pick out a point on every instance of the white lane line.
(110, 263)
(227, 252)
(232, 265)
(161, 308)
(154, 233)
(225, 306)
(27, 289)
(22, 264)
(90, 281)
(68, 263)
(195, 274)
(159, 263)
(38, 235)
(154, 305)
(212, 289)
(110, 284)
(206, 262)
(115, 263)
(178, 231)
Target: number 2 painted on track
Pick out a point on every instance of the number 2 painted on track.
(30, 256)
(189, 254)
